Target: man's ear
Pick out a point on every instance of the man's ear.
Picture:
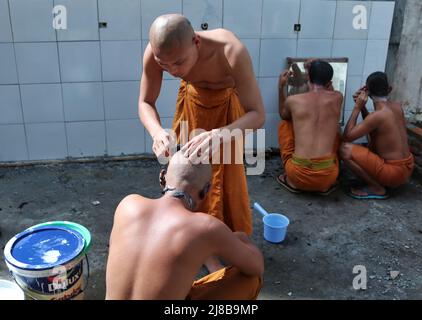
(204, 191)
(196, 40)
(329, 85)
(163, 178)
(390, 88)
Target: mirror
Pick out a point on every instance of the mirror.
(298, 83)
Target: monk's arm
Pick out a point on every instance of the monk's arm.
(247, 87)
(235, 248)
(354, 131)
(283, 108)
(149, 90)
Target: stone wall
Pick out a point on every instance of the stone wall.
(415, 142)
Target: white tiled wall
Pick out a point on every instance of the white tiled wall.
(74, 92)
(5, 29)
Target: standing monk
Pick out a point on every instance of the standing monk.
(218, 91)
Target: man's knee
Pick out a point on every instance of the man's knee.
(345, 151)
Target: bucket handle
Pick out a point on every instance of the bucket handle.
(260, 209)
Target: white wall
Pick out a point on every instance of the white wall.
(73, 93)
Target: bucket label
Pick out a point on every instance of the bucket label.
(54, 284)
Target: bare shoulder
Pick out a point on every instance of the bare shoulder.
(208, 225)
(234, 49)
(131, 207)
(148, 59)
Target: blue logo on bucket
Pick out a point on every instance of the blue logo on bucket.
(47, 261)
(59, 281)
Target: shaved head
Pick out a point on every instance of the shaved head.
(170, 31)
(182, 173)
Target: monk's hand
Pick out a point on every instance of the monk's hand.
(203, 146)
(307, 63)
(161, 144)
(361, 100)
(284, 77)
(357, 93)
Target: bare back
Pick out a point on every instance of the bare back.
(156, 250)
(390, 137)
(315, 117)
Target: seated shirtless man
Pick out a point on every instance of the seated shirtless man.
(309, 132)
(388, 161)
(157, 246)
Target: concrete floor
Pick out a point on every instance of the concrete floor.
(327, 237)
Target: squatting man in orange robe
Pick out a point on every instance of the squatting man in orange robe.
(157, 246)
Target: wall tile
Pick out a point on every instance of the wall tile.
(381, 19)
(279, 18)
(121, 60)
(10, 105)
(8, 74)
(125, 137)
(269, 92)
(271, 130)
(121, 100)
(46, 141)
(123, 19)
(12, 143)
(205, 11)
(317, 19)
(353, 84)
(352, 49)
(243, 17)
(375, 57)
(5, 29)
(151, 9)
(348, 18)
(37, 62)
(86, 138)
(42, 103)
(273, 56)
(82, 20)
(80, 61)
(32, 20)
(308, 48)
(83, 101)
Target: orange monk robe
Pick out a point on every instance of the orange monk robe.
(207, 109)
(389, 173)
(314, 175)
(226, 284)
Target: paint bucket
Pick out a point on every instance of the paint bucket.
(47, 262)
(10, 291)
(275, 225)
(71, 225)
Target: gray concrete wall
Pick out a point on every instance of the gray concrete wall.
(404, 59)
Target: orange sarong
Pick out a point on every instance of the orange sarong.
(207, 109)
(389, 173)
(314, 175)
(226, 284)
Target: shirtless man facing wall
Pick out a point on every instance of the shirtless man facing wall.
(388, 161)
(309, 132)
(157, 246)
